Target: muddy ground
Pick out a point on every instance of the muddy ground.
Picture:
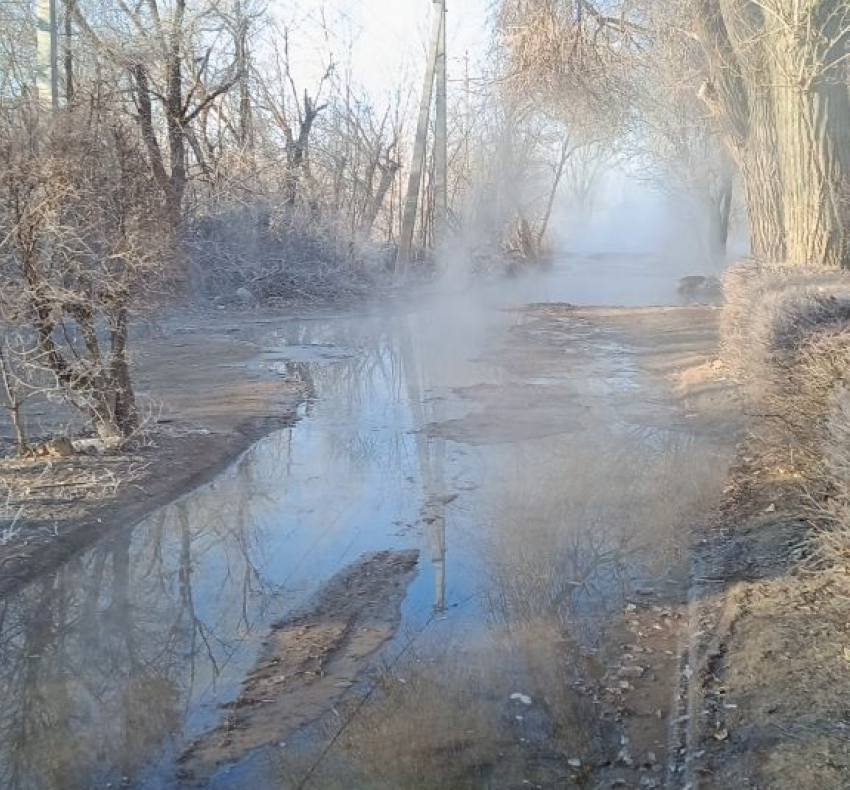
(741, 683)
(204, 396)
(767, 667)
(308, 662)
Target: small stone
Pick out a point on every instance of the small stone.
(574, 762)
(633, 671)
(523, 698)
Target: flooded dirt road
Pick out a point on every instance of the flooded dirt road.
(547, 463)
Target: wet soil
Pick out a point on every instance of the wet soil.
(308, 662)
(770, 631)
(765, 678)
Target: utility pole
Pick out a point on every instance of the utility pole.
(441, 156)
(417, 164)
(46, 81)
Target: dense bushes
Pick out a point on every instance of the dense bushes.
(249, 247)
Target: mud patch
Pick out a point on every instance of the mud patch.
(309, 661)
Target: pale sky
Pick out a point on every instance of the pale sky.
(389, 37)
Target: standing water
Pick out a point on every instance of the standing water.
(545, 483)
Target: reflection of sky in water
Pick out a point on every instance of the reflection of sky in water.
(197, 586)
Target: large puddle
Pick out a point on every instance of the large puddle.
(546, 485)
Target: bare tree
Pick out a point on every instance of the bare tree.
(171, 65)
(293, 112)
(79, 249)
(675, 142)
(775, 82)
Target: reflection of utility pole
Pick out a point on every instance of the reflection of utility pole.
(431, 454)
(436, 520)
(417, 164)
(46, 82)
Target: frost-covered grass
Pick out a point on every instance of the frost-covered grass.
(785, 334)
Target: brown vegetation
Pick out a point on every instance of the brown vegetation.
(786, 335)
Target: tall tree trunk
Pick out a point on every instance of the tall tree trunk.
(721, 214)
(297, 150)
(762, 179)
(146, 126)
(776, 87)
(14, 401)
(388, 171)
(176, 141)
(243, 67)
(814, 136)
(563, 155)
(68, 51)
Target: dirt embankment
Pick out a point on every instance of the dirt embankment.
(771, 645)
(766, 674)
(204, 398)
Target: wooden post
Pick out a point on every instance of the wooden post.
(414, 180)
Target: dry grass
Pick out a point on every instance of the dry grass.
(835, 537)
(786, 334)
(769, 311)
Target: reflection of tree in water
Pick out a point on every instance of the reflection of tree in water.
(570, 577)
(370, 382)
(99, 662)
(572, 532)
(85, 696)
(437, 728)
